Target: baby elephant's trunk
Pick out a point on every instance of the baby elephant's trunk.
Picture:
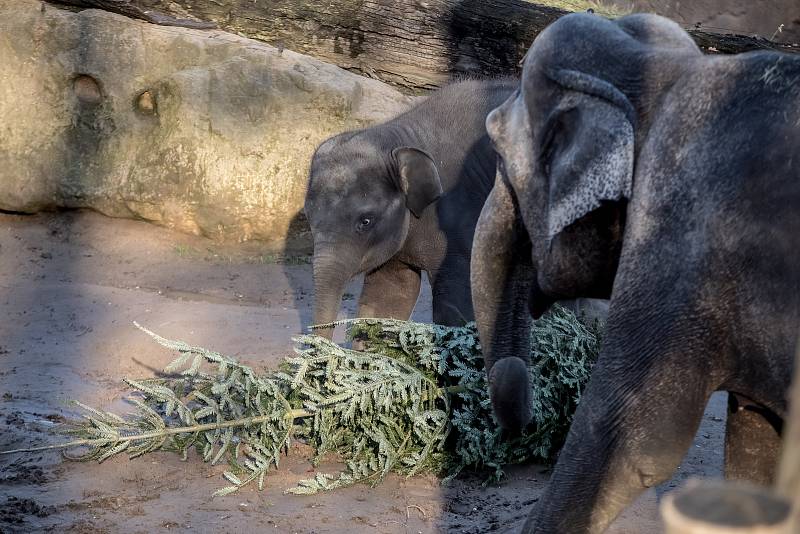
(331, 274)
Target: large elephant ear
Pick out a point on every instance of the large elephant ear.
(417, 178)
(588, 153)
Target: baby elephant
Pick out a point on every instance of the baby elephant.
(400, 198)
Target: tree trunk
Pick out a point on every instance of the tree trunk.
(788, 483)
(416, 44)
(723, 507)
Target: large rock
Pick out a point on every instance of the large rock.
(199, 130)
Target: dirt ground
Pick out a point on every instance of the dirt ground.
(71, 285)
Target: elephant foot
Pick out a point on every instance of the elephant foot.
(752, 442)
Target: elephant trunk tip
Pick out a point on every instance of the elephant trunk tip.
(510, 392)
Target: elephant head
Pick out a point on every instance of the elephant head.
(363, 193)
(567, 142)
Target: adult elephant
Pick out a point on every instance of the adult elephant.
(636, 168)
(400, 198)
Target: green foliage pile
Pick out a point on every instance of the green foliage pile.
(413, 400)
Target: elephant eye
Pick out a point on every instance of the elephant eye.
(365, 222)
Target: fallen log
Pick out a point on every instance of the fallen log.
(788, 483)
(415, 44)
(130, 9)
(717, 507)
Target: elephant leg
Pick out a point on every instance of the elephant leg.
(752, 443)
(390, 291)
(636, 418)
(452, 299)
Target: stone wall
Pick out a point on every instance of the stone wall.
(199, 130)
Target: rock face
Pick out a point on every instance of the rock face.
(199, 130)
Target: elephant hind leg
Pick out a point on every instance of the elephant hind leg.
(752, 442)
(452, 298)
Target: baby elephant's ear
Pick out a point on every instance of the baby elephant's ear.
(416, 176)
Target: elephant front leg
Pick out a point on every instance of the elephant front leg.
(390, 291)
(636, 420)
(752, 443)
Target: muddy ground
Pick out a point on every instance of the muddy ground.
(71, 285)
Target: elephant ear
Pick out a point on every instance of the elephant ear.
(417, 178)
(588, 151)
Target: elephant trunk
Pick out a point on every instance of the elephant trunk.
(502, 278)
(331, 274)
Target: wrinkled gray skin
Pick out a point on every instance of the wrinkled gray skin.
(400, 198)
(636, 168)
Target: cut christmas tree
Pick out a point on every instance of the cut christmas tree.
(414, 400)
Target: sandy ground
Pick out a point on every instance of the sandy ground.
(71, 285)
